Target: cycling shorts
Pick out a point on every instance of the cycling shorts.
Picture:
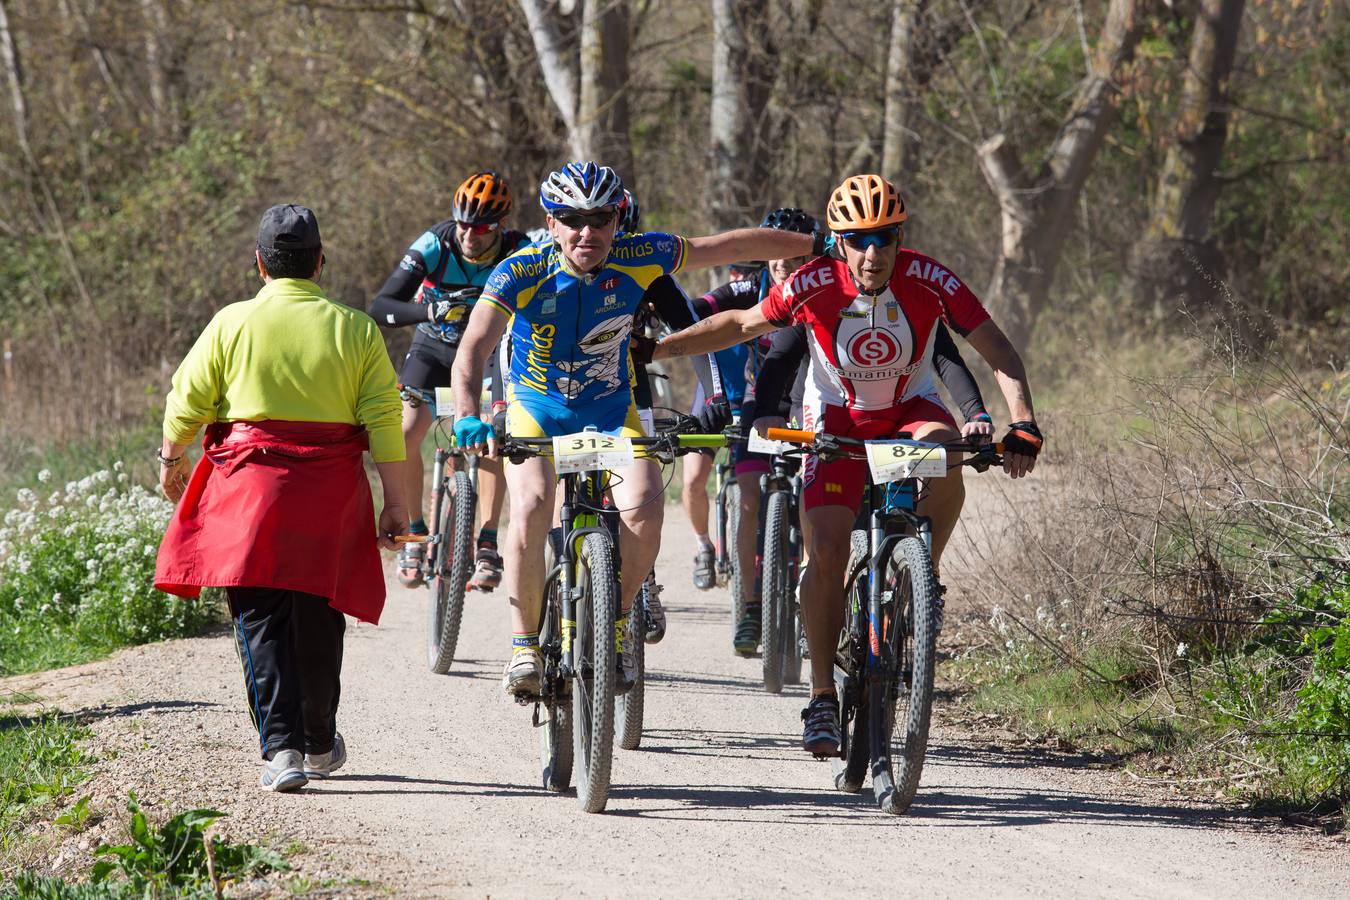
(537, 416)
(843, 481)
(427, 367)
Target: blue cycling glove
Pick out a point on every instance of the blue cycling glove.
(471, 431)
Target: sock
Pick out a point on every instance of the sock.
(487, 536)
(704, 541)
(821, 692)
(524, 641)
(418, 526)
(620, 631)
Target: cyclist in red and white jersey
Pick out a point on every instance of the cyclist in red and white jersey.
(870, 319)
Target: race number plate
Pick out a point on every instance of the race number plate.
(898, 460)
(587, 451)
(445, 403)
(757, 443)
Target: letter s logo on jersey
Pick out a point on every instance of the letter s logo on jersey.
(873, 347)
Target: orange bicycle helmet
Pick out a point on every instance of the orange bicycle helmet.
(864, 203)
(482, 198)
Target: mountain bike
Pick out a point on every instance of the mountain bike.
(448, 560)
(885, 664)
(581, 604)
(780, 556)
(629, 707)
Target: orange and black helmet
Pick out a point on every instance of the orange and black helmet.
(482, 198)
(865, 203)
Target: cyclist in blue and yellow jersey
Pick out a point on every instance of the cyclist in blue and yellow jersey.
(433, 288)
(570, 305)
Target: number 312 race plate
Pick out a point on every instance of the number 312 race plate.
(587, 451)
(898, 460)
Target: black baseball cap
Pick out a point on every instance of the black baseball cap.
(289, 227)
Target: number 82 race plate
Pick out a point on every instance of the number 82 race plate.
(587, 451)
(898, 460)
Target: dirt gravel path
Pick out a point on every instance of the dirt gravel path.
(441, 795)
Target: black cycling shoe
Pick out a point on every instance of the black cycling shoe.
(748, 632)
(820, 734)
(705, 573)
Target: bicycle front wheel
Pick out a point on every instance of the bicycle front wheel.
(775, 592)
(901, 710)
(454, 557)
(628, 708)
(593, 681)
(852, 772)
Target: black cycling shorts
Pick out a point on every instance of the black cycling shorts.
(429, 361)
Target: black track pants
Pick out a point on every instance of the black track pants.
(290, 646)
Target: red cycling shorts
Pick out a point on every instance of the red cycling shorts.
(842, 481)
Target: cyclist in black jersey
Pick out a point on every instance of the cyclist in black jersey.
(434, 288)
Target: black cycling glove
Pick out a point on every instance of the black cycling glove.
(715, 415)
(1023, 438)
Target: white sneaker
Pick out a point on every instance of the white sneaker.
(321, 765)
(524, 673)
(284, 772)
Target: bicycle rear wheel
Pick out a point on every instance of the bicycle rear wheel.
(555, 730)
(593, 682)
(901, 712)
(454, 558)
(775, 591)
(629, 707)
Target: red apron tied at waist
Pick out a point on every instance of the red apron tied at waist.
(279, 505)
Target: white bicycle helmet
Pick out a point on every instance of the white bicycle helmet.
(582, 186)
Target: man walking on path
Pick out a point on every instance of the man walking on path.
(291, 389)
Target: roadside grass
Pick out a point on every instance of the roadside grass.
(1177, 588)
(41, 762)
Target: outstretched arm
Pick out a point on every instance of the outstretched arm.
(735, 326)
(481, 335)
(745, 243)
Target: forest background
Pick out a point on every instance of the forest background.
(1150, 196)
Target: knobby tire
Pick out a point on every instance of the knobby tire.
(593, 686)
(629, 707)
(900, 716)
(454, 560)
(775, 592)
(555, 732)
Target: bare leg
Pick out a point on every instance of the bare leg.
(532, 486)
(822, 594)
(416, 422)
(491, 492)
(697, 468)
(641, 501)
(946, 496)
(747, 535)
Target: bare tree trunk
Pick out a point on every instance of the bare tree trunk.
(558, 63)
(739, 95)
(899, 140)
(1037, 210)
(1175, 253)
(602, 115)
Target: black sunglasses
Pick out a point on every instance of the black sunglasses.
(579, 220)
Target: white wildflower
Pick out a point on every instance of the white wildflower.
(1181, 650)
(119, 466)
(45, 476)
(26, 496)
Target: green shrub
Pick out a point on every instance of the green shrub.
(76, 573)
(177, 859)
(40, 760)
